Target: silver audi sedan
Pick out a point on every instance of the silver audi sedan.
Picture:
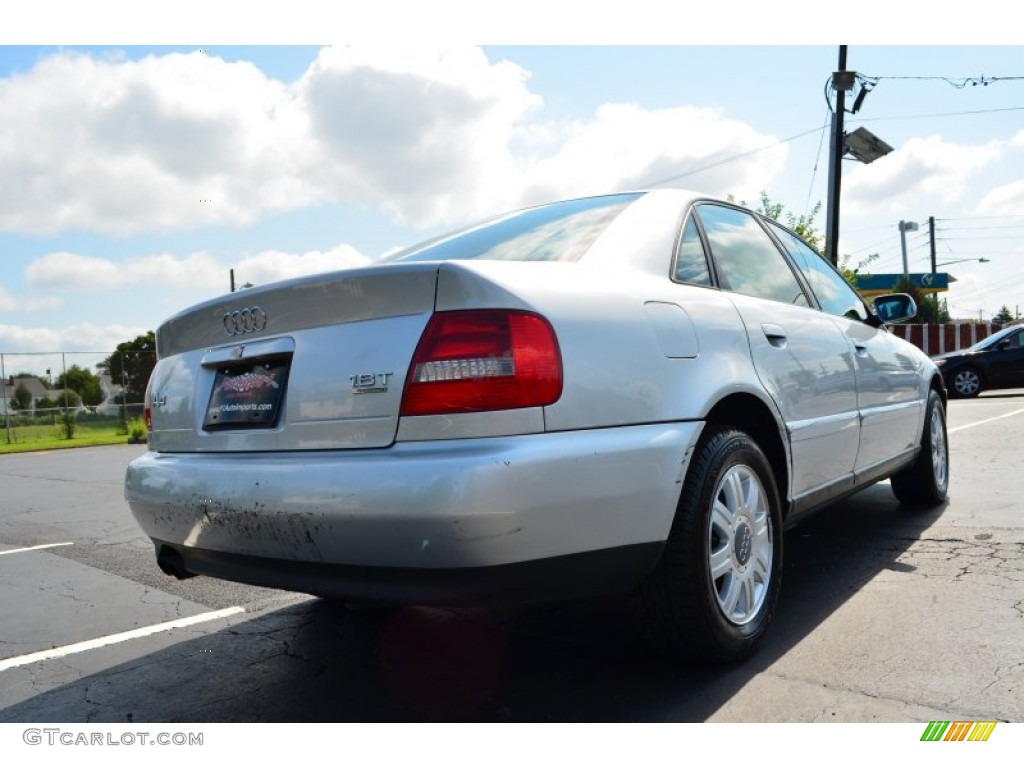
(631, 393)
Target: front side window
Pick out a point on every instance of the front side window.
(747, 260)
(556, 232)
(834, 294)
(1013, 340)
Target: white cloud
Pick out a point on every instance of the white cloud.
(626, 147)
(434, 137)
(269, 266)
(1006, 200)
(76, 272)
(9, 303)
(120, 146)
(79, 337)
(924, 171)
(426, 133)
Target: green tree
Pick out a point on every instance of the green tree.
(1004, 316)
(82, 381)
(45, 404)
(803, 225)
(131, 364)
(22, 399)
(806, 228)
(854, 272)
(66, 399)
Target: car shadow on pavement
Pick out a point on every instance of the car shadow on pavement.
(319, 661)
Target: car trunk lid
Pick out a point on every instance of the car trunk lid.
(309, 364)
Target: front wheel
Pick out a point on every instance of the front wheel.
(926, 481)
(966, 383)
(714, 593)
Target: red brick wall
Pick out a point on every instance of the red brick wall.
(936, 339)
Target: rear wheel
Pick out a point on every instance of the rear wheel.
(714, 593)
(966, 383)
(926, 481)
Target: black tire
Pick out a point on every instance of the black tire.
(926, 481)
(685, 610)
(966, 382)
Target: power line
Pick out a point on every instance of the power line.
(978, 218)
(814, 171)
(725, 161)
(694, 171)
(941, 114)
(995, 253)
(957, 82)
(985, 228)
(1003, 285)
(976, 237)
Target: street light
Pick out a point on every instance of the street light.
(906, 226)
(865, 146)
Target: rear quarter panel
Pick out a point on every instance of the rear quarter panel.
(622, 363)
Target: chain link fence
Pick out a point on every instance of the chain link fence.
(47, 396)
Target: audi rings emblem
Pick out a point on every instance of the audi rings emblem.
(245, 320)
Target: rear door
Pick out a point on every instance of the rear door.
(803, 359)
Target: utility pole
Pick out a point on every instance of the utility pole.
(842, 81)
(931, 242)
(931, 248)
(3, 389)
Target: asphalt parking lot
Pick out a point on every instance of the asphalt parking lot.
(887, 615)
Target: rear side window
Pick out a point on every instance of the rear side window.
(747, 260)
(557, 232)
(691, 262)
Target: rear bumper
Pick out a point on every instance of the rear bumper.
(420, 514)
(586, 574)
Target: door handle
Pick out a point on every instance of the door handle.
(775, 334)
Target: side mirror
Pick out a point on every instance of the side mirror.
(895, 307)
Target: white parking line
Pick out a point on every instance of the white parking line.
(38, 546)
(986, 421)
(89, 645)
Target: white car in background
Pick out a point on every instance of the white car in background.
(634, 392)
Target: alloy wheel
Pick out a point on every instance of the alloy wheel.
(740, 545)
(967, 382)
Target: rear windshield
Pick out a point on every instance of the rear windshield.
(556, 232)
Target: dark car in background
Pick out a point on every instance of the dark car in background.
(996, 362)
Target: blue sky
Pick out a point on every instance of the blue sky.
(133, 177)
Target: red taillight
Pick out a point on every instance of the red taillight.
(147, 408)
(483, 360)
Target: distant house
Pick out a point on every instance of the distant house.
(36, 388)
